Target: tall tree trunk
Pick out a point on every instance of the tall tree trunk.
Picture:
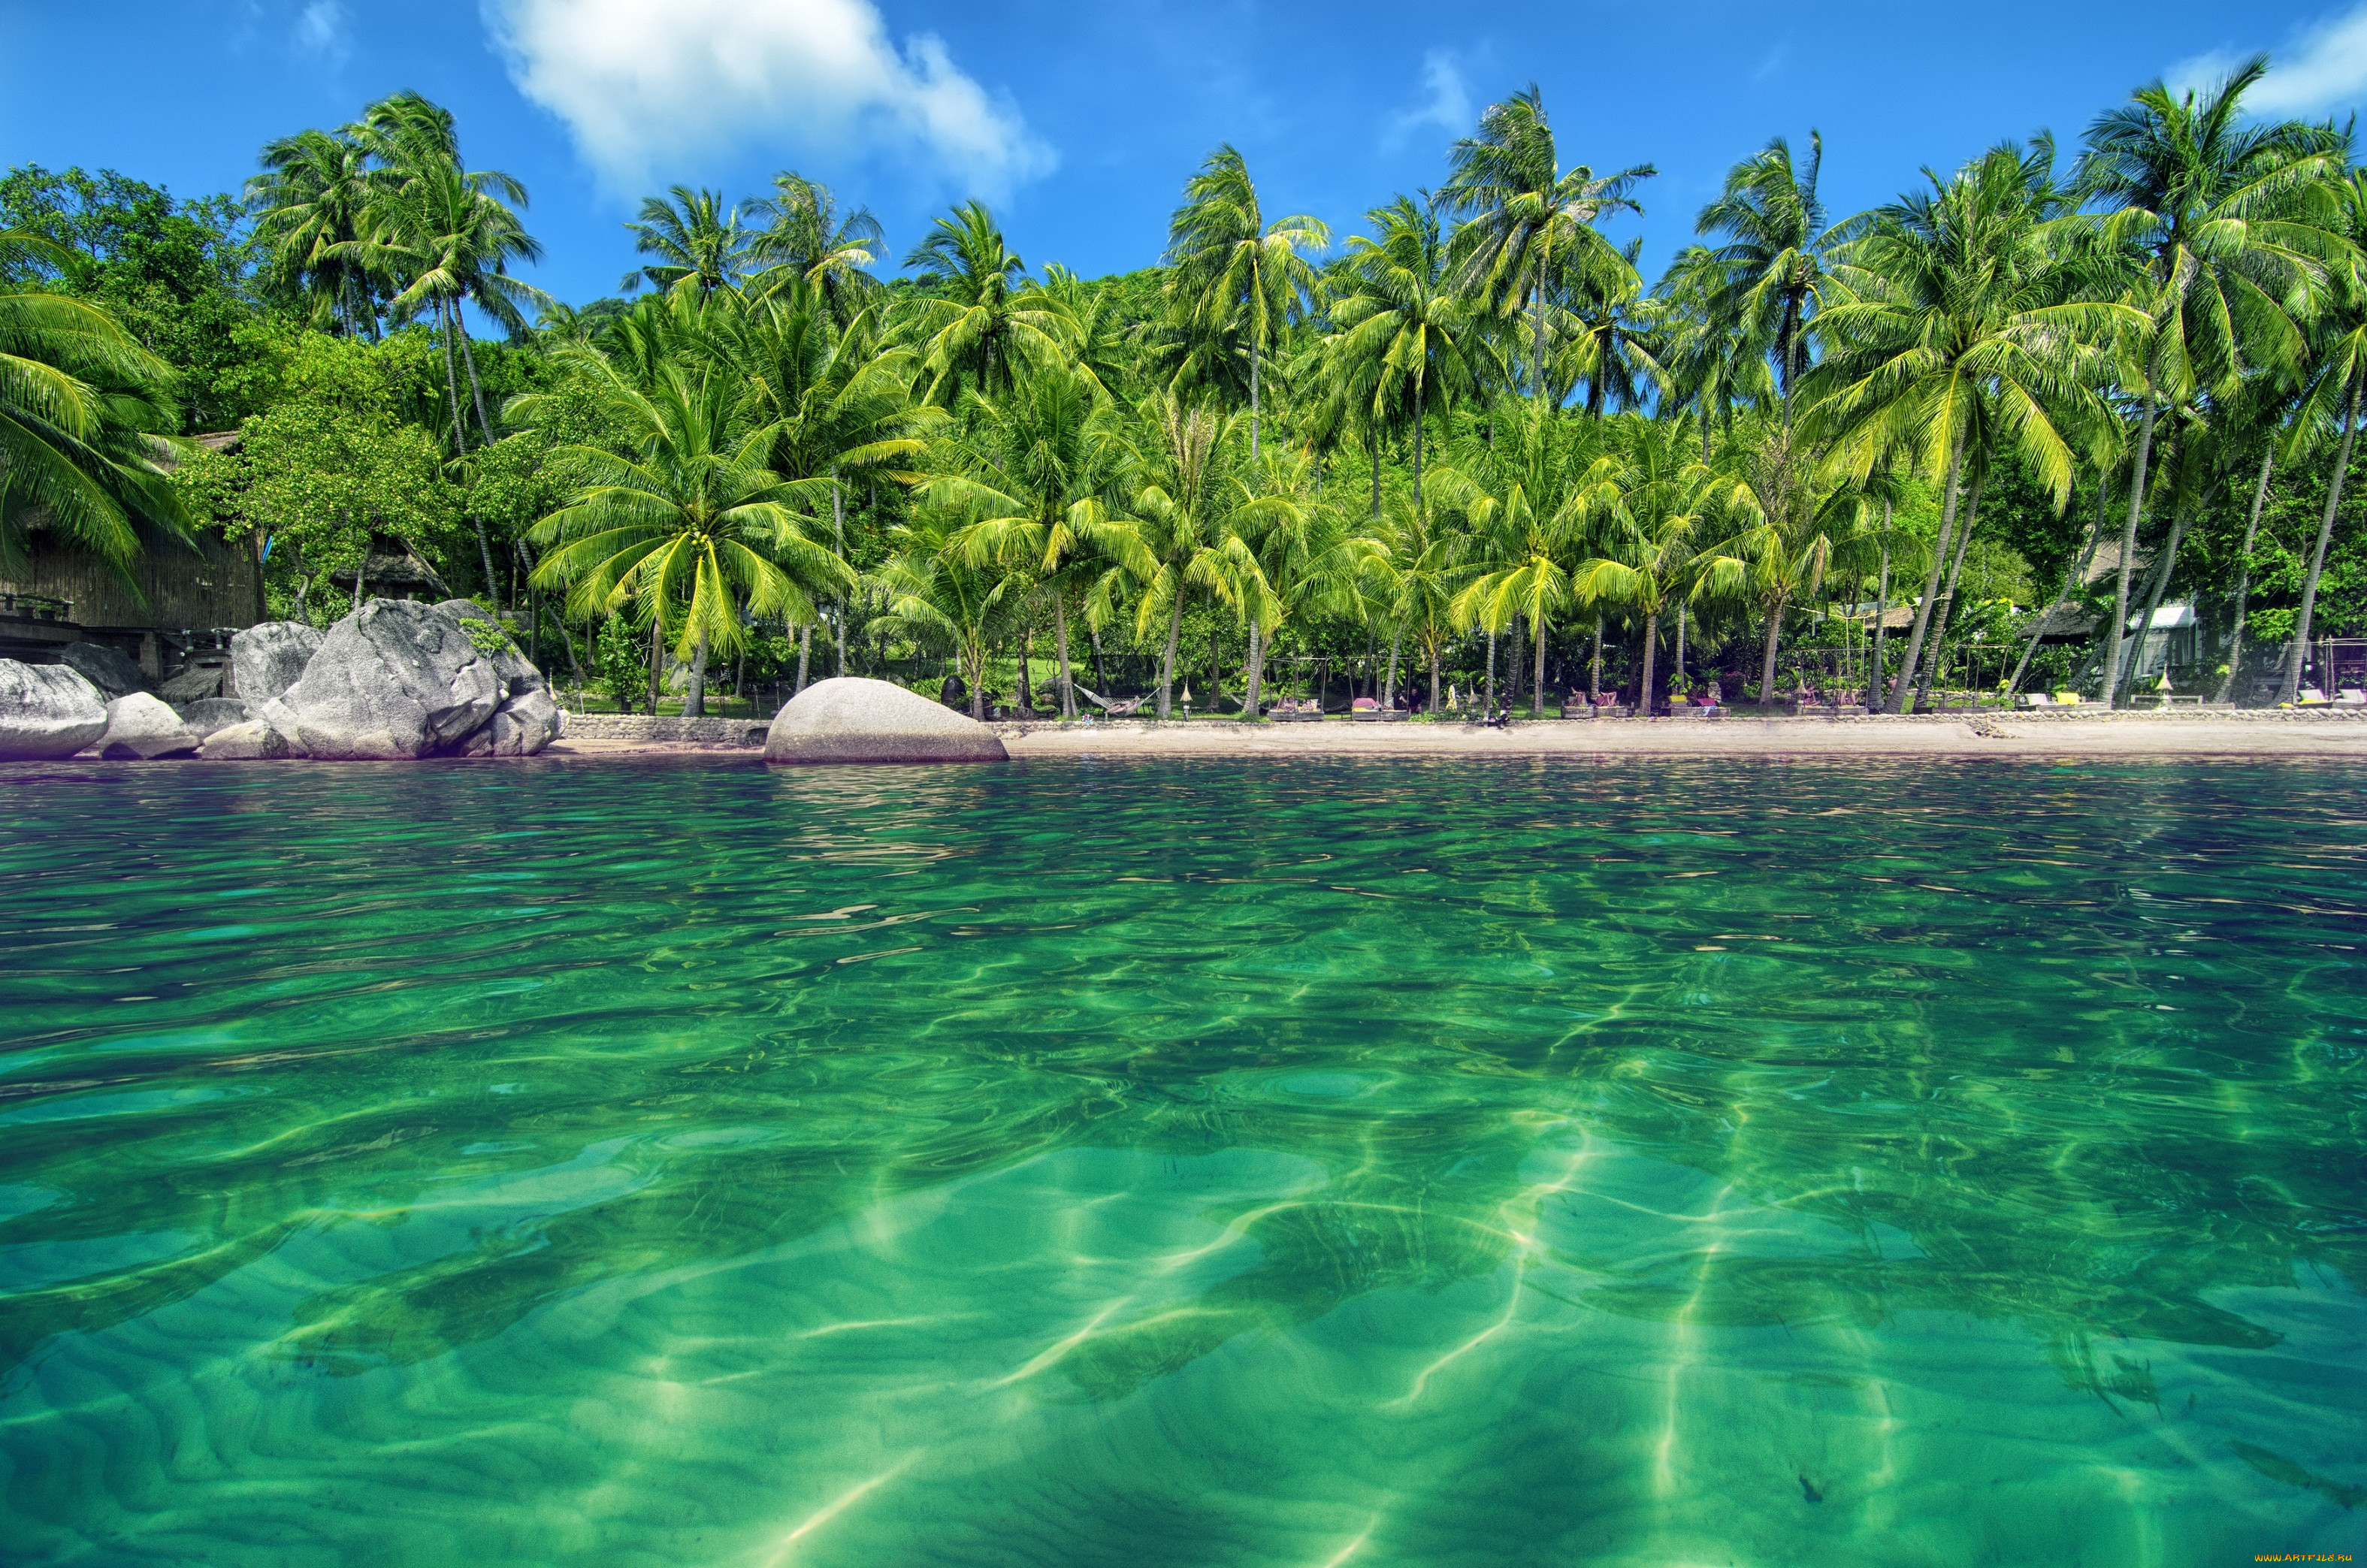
(2162, 569)
(2317, 557)
(694, 697)
(1515, 674)
(566, 639)
(1167, 659)
(1491, 673)
(1389, 692)
(1873, 697)
(1434, 687)
(805, 651)
(2119, 631)
(1253, 406)
(1651, 635)
(1537, 693)
(1255, 669)
(460, 434)
(1897, 701)
(469, 358)
(973, 655)
(1767, 657)
(656, 643)
(1417, 449)
(1679, 661)
(1594, 666)
(1027, 686)
(838, 533)
(1946, 612)
(1061, 646)
(1537, 345)
(2072, 575)
(2244, 580)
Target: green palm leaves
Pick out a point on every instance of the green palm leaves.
(1238, 279)
(82, 409)
(694, 239)
(1769, 272)
(1405, 341)
(982, 324)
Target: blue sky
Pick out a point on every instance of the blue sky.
(1080, 121)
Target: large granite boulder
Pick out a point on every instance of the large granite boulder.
(115, 673)
(146, 728)
(392, 681)
(207, 715)
(527, 720)
(851, 720)
(47, 711)
(252, 742)
(266, 659)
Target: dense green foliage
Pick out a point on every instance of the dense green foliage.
(1468, 448)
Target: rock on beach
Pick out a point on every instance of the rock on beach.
(266, 659)
(113, 673)
(47, 711)
(851, 720)
(393, 681)
(144, 727)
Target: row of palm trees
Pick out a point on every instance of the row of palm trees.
(1473, 421)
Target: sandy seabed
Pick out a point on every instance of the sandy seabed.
(2257, 733)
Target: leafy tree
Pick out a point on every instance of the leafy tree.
(694, 238)
(981, 319)
(1769, 272)
(806, 238)
(1238, 279)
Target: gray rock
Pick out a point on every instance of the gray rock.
(207, 715)
(850, 719)
(527, 720)
(194, 684)
(266, 659)
(115, 673)
(47, 711)
(142, 727)
(395, 680)
(252, 742)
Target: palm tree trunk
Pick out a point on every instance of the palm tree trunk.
(1594, 669)
(1027, 686)
(1872, 698)
(1389, 692)
(1767, 657)
(1060, 645)
(1255, 665)
(805, 651)
(2167, 564)
(973, 655)
(361, 566)
(1433, 677)
(654, 645)
(1651, 635)
(1491, 671)
(694, 697)
(2244, 581)
(1537, 694)
(2119, 630)
(1417, 449)
(1681, 641)
(838, 533)
(2325, 533)
(534, 594)
(1513, 672)
(1897, 702)
(1537, 345)
(461, 436)
(467, 358)
(1948, 596)
(1167, 659)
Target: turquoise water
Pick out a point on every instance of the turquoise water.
(1654, 1163)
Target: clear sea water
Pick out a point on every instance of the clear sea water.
(1262, 1164)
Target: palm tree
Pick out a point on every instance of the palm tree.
(308, 203)
(2331, 397)
(1239, 278)
(85, 417)
(1620, 332)
(1530, 516)
(1531, 224)
(690, 527)
(937, 594)
(1286, 552)
(806, 237)
(1957, 330)
(1426, 565)
(1038, 470)
(1176, 541)
(694, 237)
(1401, 330)
(2226, 226)
(1711, 365)
(983, 320)
(1771, 264)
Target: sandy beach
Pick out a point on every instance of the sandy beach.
(2141, 734)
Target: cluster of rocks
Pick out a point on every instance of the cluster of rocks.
(392, 681)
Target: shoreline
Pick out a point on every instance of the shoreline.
(2225, 734)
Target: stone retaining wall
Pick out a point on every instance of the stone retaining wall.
(721, 733)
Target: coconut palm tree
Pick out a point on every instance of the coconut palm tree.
(1771, 268)
(1176, 540)
(1401, 329)
(2330, 399)
(693, 236)
(937, 594)
(1618, 334)
(1036, 470)
(2228, 228)
(982, 320)
(1530, 224)
(85, 414)
(308, 204)
(1239, 280)
(690, 527)
(806, 237)
(1426, 559)
(1957, 329)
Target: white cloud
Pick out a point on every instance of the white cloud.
(643, 83)
(1447, 105)
(2322, 69)
(322, 31)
